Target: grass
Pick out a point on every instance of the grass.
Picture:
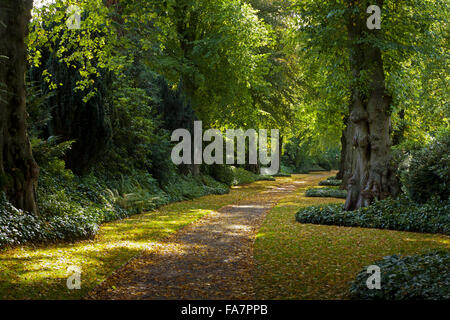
(304, 261)
(41, 271)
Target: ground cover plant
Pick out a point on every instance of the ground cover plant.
(402, 215)
(326, 192)
(419, 277)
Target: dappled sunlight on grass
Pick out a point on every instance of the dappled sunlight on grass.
(305, 261)
(445, 241)
(40, 271)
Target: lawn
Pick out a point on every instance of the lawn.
(304, 261)
(40, 271)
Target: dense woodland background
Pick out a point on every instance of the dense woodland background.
(88, 141)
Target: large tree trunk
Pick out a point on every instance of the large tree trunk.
(18, 170)
(373, 177)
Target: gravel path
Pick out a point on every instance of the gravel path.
(210, 259)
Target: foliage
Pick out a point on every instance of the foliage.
(69, 116)
(233, 176)
(17, 227)
(214, 48)
(187, 188)
(330, 182)
(326, 192)
(427, 170)
(302, 156)
(420, 277)
(282, 174)
(401, 214)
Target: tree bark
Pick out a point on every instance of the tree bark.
(373, 177)
(18, 170)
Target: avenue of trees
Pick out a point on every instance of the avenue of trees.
(102, 100)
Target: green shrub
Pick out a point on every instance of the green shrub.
(427, 172)
(242, 176)
(233, 176)
(282, 174)
(265, 178)
(330, 182)
(424, 277)
(326, 192)
(286, 169)
(223, 173)
(188, 187)
(17, 227)
(402, 214)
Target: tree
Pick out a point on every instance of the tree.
(376, 59)
(373, 176)
(85, 122)
(18, 170)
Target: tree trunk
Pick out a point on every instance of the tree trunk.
(18, 170)
(373, 177)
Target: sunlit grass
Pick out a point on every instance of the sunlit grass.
(304, 261)
(40, 271)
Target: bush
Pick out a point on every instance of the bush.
(242, 176)
(424, 277)
(326, 192)
(330, 182)
(302, 156)
(233, 176)
(286, 169)
(427, 172)
(402, 215)
(282, 174)
(17, 227)
(223, 173)
(188, 187)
